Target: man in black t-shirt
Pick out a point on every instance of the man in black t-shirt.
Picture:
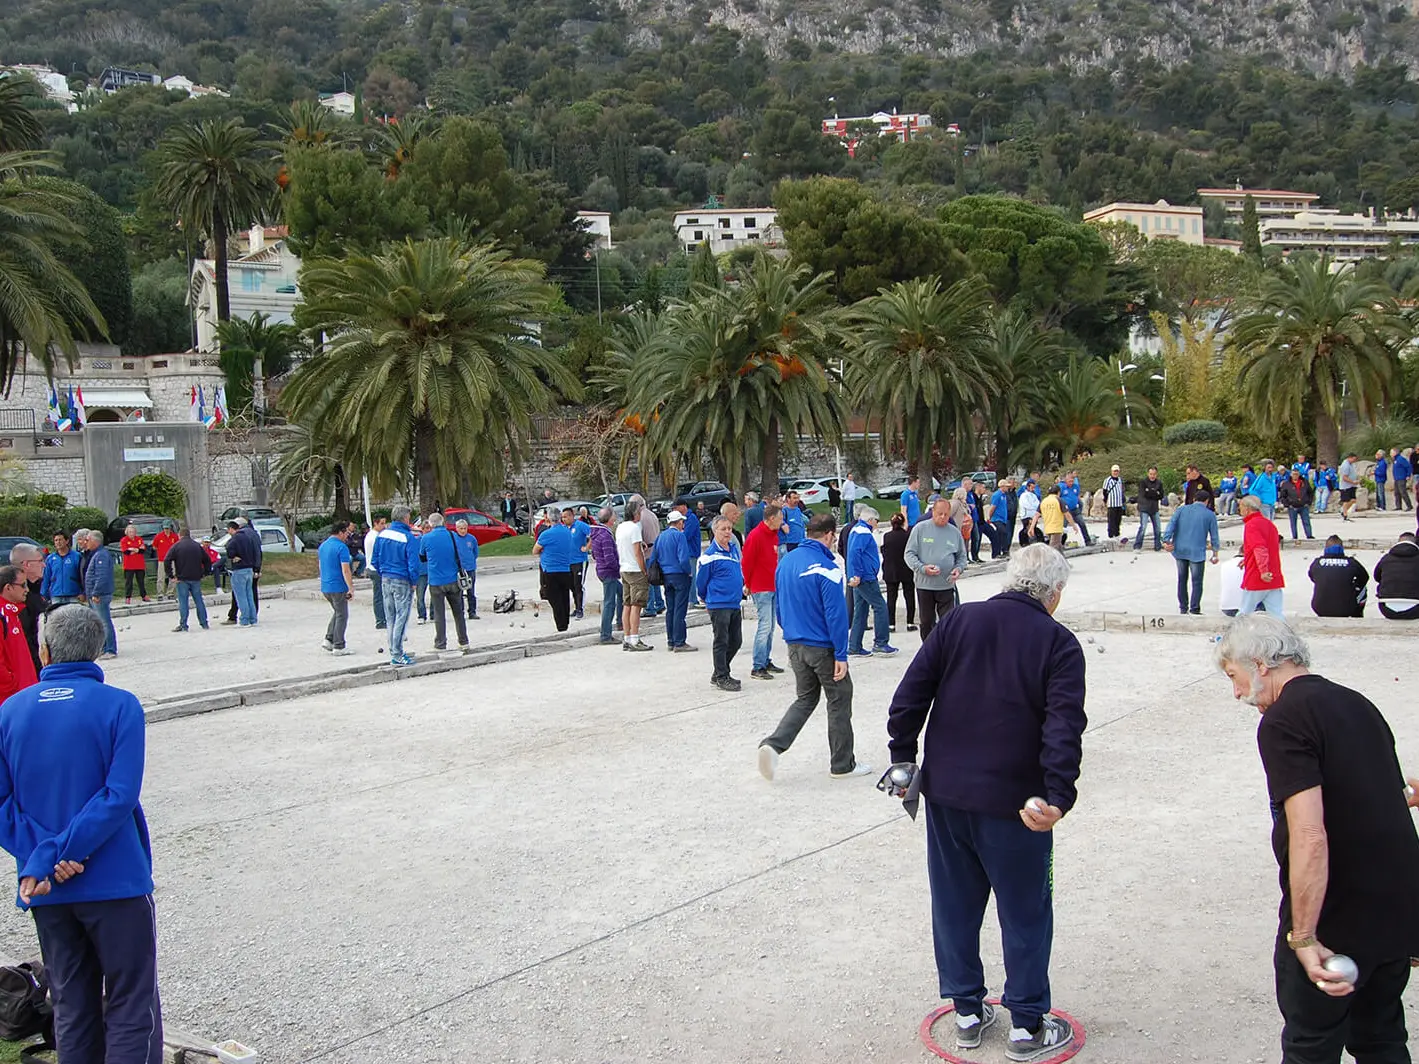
(1339, 582)
(1345, 843)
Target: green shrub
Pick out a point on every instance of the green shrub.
(45, 500)
(1198, 430)
(1391, 432)
(313, 524)
(1213, 459)
(154, 493)
(41, 524)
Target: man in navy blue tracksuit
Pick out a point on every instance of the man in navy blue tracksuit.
(438, 547)
(71, 769)
(672, 551)
(998, 771)
(98, 589)
(720, 582)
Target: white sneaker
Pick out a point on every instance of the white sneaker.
(341, 652)
(768, 761)
(858, 769)
(327, 645)
(423, 620)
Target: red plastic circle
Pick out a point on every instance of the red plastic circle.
(945, 1010)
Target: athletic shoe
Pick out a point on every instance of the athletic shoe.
(727, 683)
(638, 646)
(578, 615)
(768, 761)
(403, 659)
(1054, 1034)
(229, 621)
(773, 668)
(911, 628)
(607, 640)
(858, 769)
(864, 653)
(423, 620)
(327, 645)
(106, 656)
(761, 674)
(341, 652)
(885, 648)
(440, 646)
(969, 1037)
(474, 617)
(180, 628)
(1195, 613)
(381, 627)
(683, 648)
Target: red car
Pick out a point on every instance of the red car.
(484, 529)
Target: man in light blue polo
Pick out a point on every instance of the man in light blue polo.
(795, 523)
(1190, 531)
(911, 502)
(337, 584)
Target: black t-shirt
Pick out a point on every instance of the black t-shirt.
(1319, 734)
(1338, 583)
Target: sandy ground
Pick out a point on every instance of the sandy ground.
(572, 858)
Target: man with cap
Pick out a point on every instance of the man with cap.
(1114, 501)
(672, 552)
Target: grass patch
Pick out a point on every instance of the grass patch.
(508, 547)
(284, 568)
(10, 1051)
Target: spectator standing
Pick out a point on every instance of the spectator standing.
(555, 556)
(835, 496)
(85, 549)
(650, 532)
(1150, 496)
(1001, 525)
(1344, 840)
(721, 587)
(467, 544)
(608, 571)
(29, 559)
(17, 669)
(98, 590)
(795, 523)
(396, 557)
(1338, 582)
(1191, 530)
(337, 584)
(632, 550)
(760, 562)
(439, 549)
(864, 568)
(243, 559)
(1028, 501)
(812, 612)
(998, 771)
(421, 585)
(911, 502)
(849, 497)
(72, 751)
(753, 513)
(936, 555)
(1265, 490)
(672, 553)
(135, 564)
(1400, 470)
(507, 509)
(1349, 485)
(977, 499)
(1245, 485)
(1323, 486)
(1381, 477)
(217, 563)
(1196, 482)
(1052, 519)
(189, 562)
(694, 540)
(1397, 580)
(63, 573)
(1070, 495)
(162, 543)
(1115, 502)
(1263, 583)
(380, 524)
(1226, 494)
(898, 574)
(1297, 495)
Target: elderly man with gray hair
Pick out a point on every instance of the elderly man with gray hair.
(29, 560)
(936, 554)
(998, 771)
(1344, 839)
(864, 571)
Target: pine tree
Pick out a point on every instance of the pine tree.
(1251, 230)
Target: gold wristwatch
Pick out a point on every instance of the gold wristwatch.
(1301, 941)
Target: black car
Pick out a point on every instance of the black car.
(710, 492)
(8, 543)
(149, 525)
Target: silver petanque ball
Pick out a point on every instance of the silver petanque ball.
(1344, 967)
(901, 777)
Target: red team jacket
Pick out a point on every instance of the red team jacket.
(16, 665)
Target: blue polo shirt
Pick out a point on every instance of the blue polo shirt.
(1069, 495)
(913, 506)
(558, 555)
(581, 532)
(795, 525)
(999, 508)
(334, 552)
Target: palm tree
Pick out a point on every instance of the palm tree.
(255, 347)
(213, 176)
(41, 302)
(20, 128)
(1316, 339)
(1082, 409)
(1024, 358)
(922, 363)
(395, 140)
(305, 470)
(429, 374)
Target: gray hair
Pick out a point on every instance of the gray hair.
(632, 512)
(605, 515)
(462, 522)
(1039, 571)
(751, 496)
(1250, 503)
(73, 633)
(23, 552)
(1262, 638)
(720, 522)
(80, 533)
(434, 520)
(866, 513)
(399, 513)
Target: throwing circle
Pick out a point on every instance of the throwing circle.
(945, 1010)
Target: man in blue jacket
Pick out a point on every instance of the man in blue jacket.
(795, 523)
(1189, 533)
(396, 556)
(98, 590)
(1400, 470)
(1381, 476)
(864, 568)
(71, 770)
(62, 582)
(556, 557)
(1265, 488)
(998, 772)
(438, 548)
(468, 555)
(812, 611)
(243, 563)
(694, 537)
(672, 552)
(720, 582)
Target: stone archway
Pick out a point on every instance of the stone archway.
(102, 416)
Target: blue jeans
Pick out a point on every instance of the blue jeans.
(1268, 510)
(694, 590)
(764, 633)
(655, 601)
(1195, 571)
(398, 598)
(868, 594)
(968, 855)
(241, 591)
(677, 604)
(1083, 528)
(421, 591)
(1143, 520)
(100, 604)
(1270, 601)
(1304, 513)
(610, 605)
(1380, 494)
(190, 589)
(1322, 500)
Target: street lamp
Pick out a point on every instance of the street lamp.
(1123, 388)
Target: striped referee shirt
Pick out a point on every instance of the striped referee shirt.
(1113, 492)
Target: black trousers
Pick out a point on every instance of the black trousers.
(1318, 1028)
(728, 628)
(907, 587)
(450, 595)
(255, 600)
(472, 593)
(933, 605)
(102, 961)
(578, 575)
(128, 577)
(557, 590)
(1115, 521)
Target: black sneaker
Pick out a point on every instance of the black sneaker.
(728, 683)
(773, 668)
(1053, 1035)
(761, 674)
(969, 1037)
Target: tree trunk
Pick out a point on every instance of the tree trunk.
(258, 391)
(768, 481)
(426, 482)
(1327, 439)
(1002, 448)
(342, 494)
(923, 470)
(219, 267)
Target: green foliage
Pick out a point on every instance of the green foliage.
(162, 321)
(44, 500)
(98, 258)
(1251, 231)
(153, 493)
(41, 524)
(1199, 430)
(1172, 460)
(337, 202)
(243, 341)
(1382, 435)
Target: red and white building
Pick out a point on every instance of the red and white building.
(900, 127)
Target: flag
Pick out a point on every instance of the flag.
(54, 416)
(192, 409)
(69, 407)
(219, 406)
(201, 405)
(81, 417)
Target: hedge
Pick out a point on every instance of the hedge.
(153, 493)
(40, 524)
(1198, 430)
(1213, 459)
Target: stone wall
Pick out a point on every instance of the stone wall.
(63, 476)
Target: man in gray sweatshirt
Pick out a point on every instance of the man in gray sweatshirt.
(937, 556)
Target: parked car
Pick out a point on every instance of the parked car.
(149, 525)
(814, 490)
(481, 527)
(710, 492)
(8, 543)
(273, 540)
(256, 514)
(894, 490)
(616, 500)
(981, 476)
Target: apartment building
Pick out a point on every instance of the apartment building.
(1344, 237)
(726, 228)
(1156, 221)
(1270, 202)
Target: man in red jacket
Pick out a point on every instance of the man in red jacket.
(759, 562)
(16, 665)
(1262, 580)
